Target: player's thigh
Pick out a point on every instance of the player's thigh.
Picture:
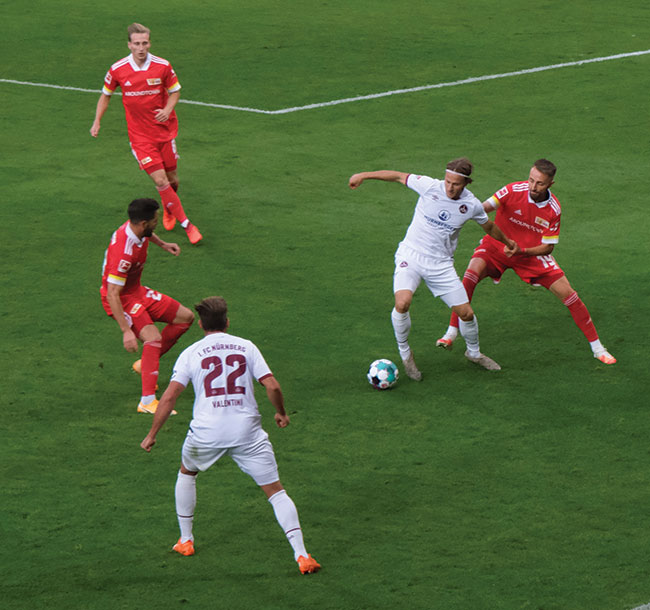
(257, 460)
(161, 307)
(169, 156)
(148, 157)
(137, 314)
(407, 274)
(198, 457)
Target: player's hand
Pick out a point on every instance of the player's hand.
(355, 181)
(148, 443)
(174, 249)
(94, 130)
(161, 115)
(130, 341)
(281, 420)
(511, 248)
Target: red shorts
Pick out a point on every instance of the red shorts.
(145, 307)
(535, 270)
(152, 156)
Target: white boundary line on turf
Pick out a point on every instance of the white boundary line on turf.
(372, 96)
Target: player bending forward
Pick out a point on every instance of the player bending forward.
(150, 91)
(427, 252)
(134, 307)
(226, 421)
(530, 214)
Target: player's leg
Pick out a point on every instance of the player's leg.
(169, 220)
(258, 461)
(562, 289)
(475, 272)
(185, 497)
(468, 325)
(150, 364)
(179, 325)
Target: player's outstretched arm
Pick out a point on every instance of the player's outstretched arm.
(165, 407)
(275, 396)
(384, 174)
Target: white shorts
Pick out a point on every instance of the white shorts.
(441, 278)
(255, 459)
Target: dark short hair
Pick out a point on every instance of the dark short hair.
(142, 209)
(213, 313)
(462, 166)
(546, 167)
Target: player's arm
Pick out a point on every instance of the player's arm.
(129, 339)
(541, 250)
(162, 114)
(165, 407)
(274, 393)
(102, 105)
(384, 174)
(172, 248)
(493, 231)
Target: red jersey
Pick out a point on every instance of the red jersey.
(529, 223)
(144, 90)
(124, 260)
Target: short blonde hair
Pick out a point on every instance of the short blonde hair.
(137, 28)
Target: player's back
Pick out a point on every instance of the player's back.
(223, 369)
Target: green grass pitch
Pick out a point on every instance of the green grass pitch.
(525, 489)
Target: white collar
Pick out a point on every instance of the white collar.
(145, 65)
(129, 233)
(540, 204)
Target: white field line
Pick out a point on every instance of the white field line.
(372, 96)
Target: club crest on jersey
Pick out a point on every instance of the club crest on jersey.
(124, 266)
(542, 222)
(463, 209)
(154, 81)
(403, 264)
(444, 215)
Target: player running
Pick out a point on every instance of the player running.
(135, 307)
(150, 91)
(528, 213)
(427, 252)
(226, 421)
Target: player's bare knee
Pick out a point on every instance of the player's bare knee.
(465, 312)
(184, 316)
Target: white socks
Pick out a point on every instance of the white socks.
(287, 516)
(469, 332)
(185, 503)
(597, 347)
(402, 327)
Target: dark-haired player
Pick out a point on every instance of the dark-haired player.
(135, 307)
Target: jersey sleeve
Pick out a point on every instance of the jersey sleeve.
(420, 184)
(171, 80)
(110, 83)
(500, 197)
(551, 233)
(480, 215)
(258, 367)
(118, 263)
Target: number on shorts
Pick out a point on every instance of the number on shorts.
(153, 295)
(216, 364)
(548, 261)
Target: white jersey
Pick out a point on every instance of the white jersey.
(437, 219)
(223, 369)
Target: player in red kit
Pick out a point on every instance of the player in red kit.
(150, 91)
(528, 213)
(136, 307)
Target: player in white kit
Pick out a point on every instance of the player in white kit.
(226, 421)
(427, 252)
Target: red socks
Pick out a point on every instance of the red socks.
(172, 203)
(150, 365)
(470, 279)
(581, 316)
(171, 334)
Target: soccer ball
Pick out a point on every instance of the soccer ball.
(383, 374)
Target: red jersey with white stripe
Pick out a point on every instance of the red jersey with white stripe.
(529, 223)
(124, 260)
(144, 90)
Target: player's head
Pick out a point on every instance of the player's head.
(213, 314)
(139, 43)
(457, 176)
(540, 179)
(143, 214)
